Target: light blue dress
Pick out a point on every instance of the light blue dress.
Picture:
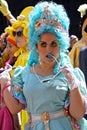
(46, 97)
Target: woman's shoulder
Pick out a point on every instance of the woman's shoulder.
(78, 71)
(79, 74)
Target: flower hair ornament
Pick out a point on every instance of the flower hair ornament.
(48, 18)
(82, 9)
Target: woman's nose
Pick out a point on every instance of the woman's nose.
(49, 48)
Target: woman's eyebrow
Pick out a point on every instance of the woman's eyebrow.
(54, 40)
(51, 41)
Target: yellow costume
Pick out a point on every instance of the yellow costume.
(22, 59)
(22, 55)
(74, 53)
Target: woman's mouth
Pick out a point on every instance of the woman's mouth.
(50, 56)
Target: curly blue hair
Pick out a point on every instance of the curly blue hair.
(61, 35)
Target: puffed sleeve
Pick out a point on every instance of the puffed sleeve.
(17, 85)
(79, 74)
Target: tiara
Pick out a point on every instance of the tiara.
(48, 18)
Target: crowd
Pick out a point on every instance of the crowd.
(43, 69)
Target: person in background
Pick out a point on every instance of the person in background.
(83, 61)
(4, 55)
(4, 9)
(83, 51)
(21, 27)
(73, 40)
(12, 48)
(74, 53)
(20, 23)
(2, 43)
(48, 80)
(20, 32)
(21, 54)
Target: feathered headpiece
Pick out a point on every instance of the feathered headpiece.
(48, 17)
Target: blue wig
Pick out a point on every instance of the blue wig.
(62, 35)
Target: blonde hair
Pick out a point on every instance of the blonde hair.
(23, 23)
(9, 31)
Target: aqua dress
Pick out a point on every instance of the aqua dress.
(46, 97)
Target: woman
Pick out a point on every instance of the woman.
(83, 61)
(12, 48)
(4, 56)
(20, 32)
(83, 64)
(48, 82)
(74, 53)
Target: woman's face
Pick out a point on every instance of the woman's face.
(48, 44)
(2, 45)
(20, 38)
(11, 49)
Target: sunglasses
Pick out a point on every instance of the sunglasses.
(18, 33)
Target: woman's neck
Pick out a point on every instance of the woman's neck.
(47, 66)
(44, 69)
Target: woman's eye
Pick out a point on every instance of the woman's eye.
(43, 44)
(9, 45)
(54, 44)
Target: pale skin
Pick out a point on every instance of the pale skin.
(48, 44)
(11, 49)
(20, 40)
(84, 34)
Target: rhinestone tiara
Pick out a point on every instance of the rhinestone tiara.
(48, 18)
